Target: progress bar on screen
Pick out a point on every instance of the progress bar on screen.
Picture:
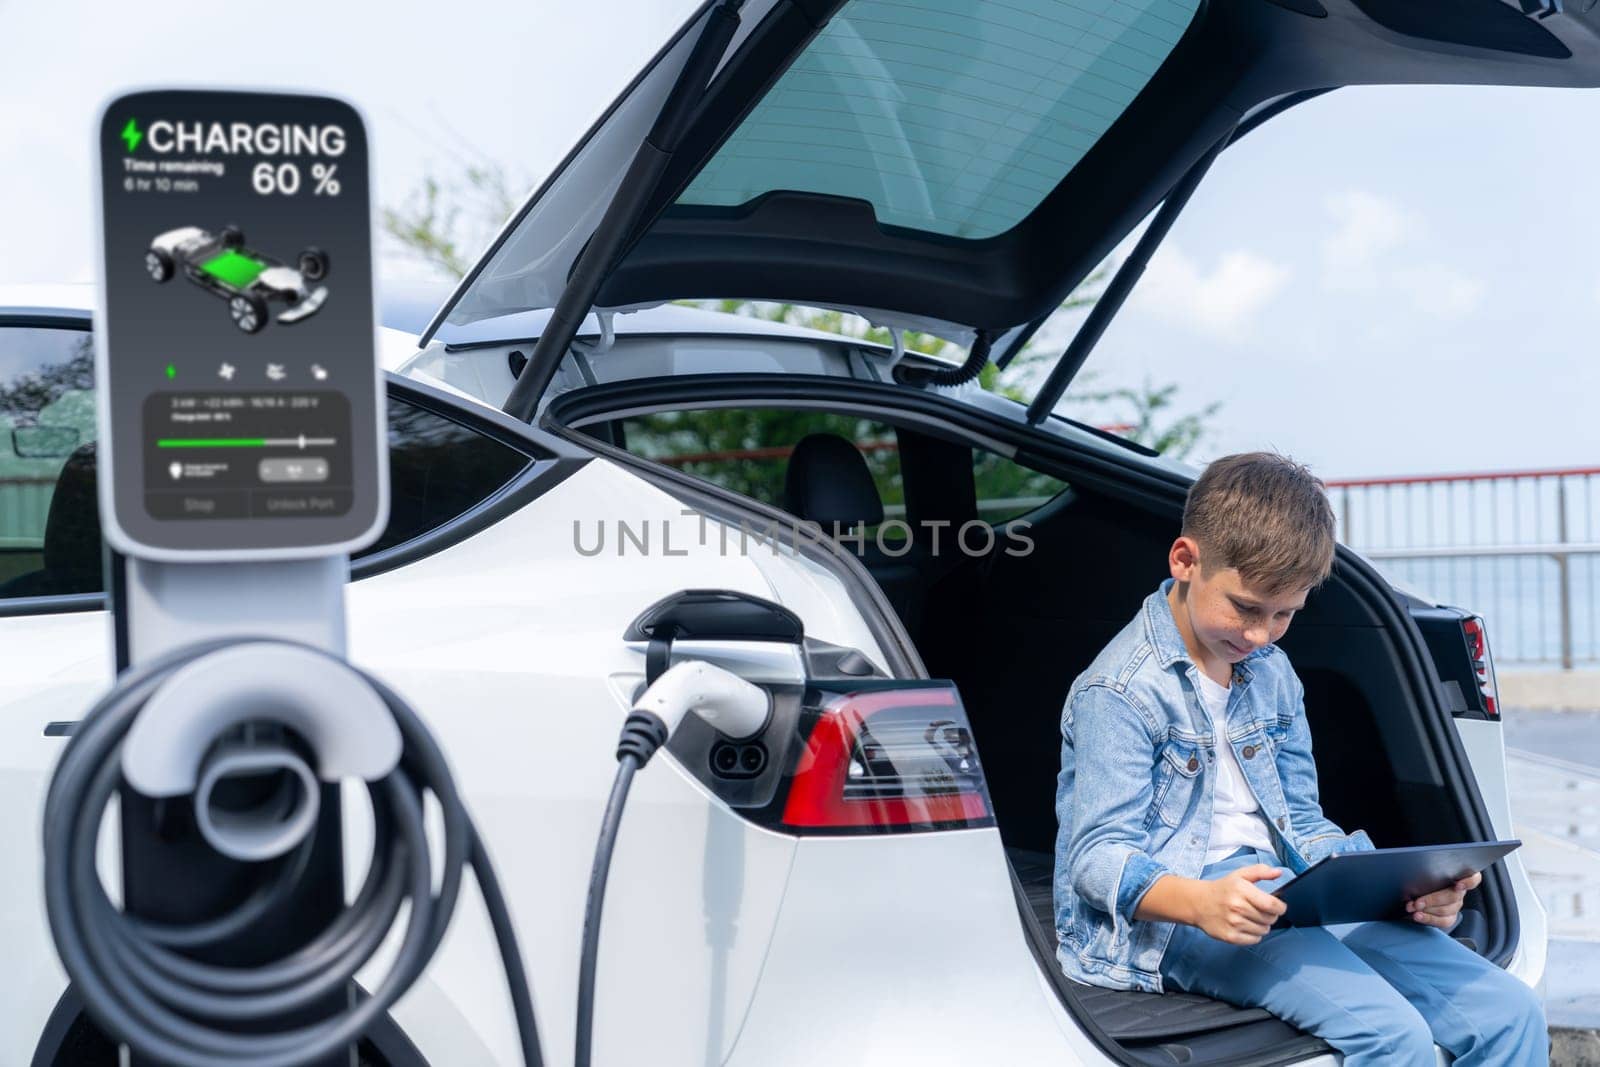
(246, 442)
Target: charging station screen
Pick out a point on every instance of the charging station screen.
(237, 354)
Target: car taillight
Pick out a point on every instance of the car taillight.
(1477, 636)
(887, 759)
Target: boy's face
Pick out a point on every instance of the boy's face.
(1225, 617)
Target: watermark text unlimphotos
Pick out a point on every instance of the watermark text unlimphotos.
(893, 537)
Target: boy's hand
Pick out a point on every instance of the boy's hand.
(1442, 907)
(1232, 909)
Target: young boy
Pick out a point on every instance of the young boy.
(1187, 787)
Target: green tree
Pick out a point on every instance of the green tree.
(26, 395)
(747, 449)
(444, 222)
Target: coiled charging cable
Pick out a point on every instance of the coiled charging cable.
(135, 977)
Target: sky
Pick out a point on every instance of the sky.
(1389, 280)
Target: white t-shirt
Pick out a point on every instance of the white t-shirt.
(1236, 819)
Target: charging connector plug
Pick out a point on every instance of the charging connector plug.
(721, 698)
(642, 735)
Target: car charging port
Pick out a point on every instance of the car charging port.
(738, 760)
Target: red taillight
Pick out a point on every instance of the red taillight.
(889, 758)
(1477, 636)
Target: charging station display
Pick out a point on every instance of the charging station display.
(240, 398)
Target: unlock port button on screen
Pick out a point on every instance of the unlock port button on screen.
(294, 469)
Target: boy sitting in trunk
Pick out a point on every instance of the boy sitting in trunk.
(1187, 787)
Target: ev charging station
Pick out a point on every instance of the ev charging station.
(242, 457)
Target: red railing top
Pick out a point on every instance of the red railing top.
(1470, 476)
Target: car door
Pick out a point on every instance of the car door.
(54, 643)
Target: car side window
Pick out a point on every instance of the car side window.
(438, 469)
(47, 432)
(747, 450)
(50, 541)
(1008, 490)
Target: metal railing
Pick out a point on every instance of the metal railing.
(1521, 548)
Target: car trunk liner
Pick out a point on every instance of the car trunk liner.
(1160, 1028)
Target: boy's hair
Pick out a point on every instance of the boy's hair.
(1265, 515)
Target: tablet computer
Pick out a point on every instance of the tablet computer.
(1362, 886)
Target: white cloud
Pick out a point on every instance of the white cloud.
(1220, 302)
(1441, 290)
(1367, 249)
(1366, 226)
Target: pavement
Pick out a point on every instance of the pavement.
(1550, 689)
(1553, 770)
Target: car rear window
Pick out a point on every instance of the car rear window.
(953, 117)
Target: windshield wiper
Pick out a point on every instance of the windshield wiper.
(622, 215)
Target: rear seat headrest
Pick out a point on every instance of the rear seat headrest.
(72, 525)
(828, 482)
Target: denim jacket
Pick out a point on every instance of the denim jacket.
(1138, 774)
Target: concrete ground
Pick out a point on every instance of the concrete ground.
(1550, 690)
(1553, 766)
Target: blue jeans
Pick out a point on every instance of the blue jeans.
(1379, 992)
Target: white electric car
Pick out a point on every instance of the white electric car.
(868, 882)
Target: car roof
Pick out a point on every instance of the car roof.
(1233, 59)
(74, 302)
(63, 300)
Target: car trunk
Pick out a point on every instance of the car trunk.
(883, 159)
(1096, 559)
(1014, 630)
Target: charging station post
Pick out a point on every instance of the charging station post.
(242, 458)
(241, 408)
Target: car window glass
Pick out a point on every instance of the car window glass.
(438, 469)
(747, 450)
(47, 432)
(956, 117)
(1007, 490)
(50, 541)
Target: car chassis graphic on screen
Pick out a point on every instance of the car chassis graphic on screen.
(247, 279)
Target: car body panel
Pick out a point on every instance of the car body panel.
(52, 669)
(1484, 742)
(510, 644)
(68, 306)
(521, 637)
(904, 949)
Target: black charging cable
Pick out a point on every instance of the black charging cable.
(642, 734)
(144, 991)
